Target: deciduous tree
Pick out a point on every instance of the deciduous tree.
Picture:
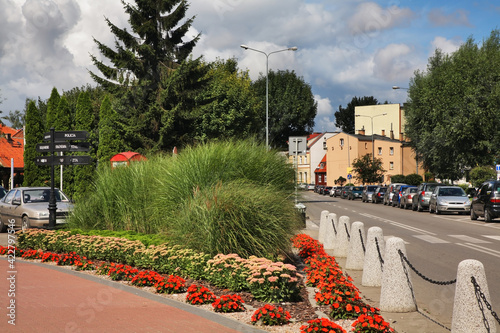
(344, 117)
(368, 170)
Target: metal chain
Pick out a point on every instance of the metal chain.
(347, 231)
(379, 255)
(334, 229)
(480, 296)
(442, 283)
(362, 243)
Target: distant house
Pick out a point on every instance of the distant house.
(320, 172)
(11, 150)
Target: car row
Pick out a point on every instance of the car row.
(437, 198)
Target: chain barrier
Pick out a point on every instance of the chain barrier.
(442, 283)
(362, 243)
(480, 299)
(347, 231)
(334, 229)
(403, 260)
(379, 255)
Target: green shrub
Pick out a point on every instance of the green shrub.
(480, 174)
(413, 179)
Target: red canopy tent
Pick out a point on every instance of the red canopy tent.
(124, 159)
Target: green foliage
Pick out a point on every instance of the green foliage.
(368, 170)
(340, 181)
(292, 107)
(413, 179)
(34, 175)
(344, 117)
(52, 106)
(231, 191)
(110, 142)
(480, 174)
(453, 110)
(15, 118)
(398, 179)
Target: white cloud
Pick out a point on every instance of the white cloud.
(445, 45)
(393, 62)
(439, 18)
(371, 18)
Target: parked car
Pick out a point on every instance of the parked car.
(2, 192)
(310, 187)
(345, 190)
(355, 192)
(29, 207)
(326, 190)
(390, 192)
(486, 202)
(338, 191)
(398, 192)
(421, 200)
(406, 197)
(368, 193)
(319, 188)
(378, 195)
(332, 191)
(449, 199)
(302, 186)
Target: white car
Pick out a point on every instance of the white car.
(449, 199)
(29, 207)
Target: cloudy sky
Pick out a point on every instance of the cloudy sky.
(346, 48)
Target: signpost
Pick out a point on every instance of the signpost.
(59, 142)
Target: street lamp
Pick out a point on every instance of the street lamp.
(371, 117)
(246, 47)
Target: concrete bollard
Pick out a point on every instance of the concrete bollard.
(342, 243)
(330, 231)
(372, 266)
(322, 226)
(355, 251)
(396, 292)
(467, 316)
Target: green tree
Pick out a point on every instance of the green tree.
(84, 121)
(52, 106)
(110, 142)
(34, 175)
(413, 179)
(15, 118)
(142, 72)
(480, 174)
(398, 179)
(453, 109)
(344, 117)
(292, 107)
(368, 170)
(340, 181)
(233, 108)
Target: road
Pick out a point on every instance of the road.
(435, 245)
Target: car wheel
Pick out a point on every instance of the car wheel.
(487, 215)
(3, 227)
(438, 212)
(473, 215)
(413, 207)
(401, 206)
(25, 225)
(420, 208)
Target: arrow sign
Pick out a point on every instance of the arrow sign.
(79, 146)
(66, 136)
(63, 160)
(48, 147)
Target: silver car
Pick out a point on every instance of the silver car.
(449, 199)
(29, 207)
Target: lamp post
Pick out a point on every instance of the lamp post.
(246, 47)
(371, 118)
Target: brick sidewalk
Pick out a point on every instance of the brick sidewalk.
(55, 299)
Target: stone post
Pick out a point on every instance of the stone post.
(341, 245)
(331, 228)
(372, 267)
(322, 226)
(355, 252)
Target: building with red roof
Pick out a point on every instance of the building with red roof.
(11, 150)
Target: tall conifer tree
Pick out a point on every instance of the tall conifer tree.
(34, 175)
(110, 142)
(52, 105)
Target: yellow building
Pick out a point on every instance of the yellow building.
(389, 144)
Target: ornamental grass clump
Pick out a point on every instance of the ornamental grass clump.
(273, 282)
(271, 315)
(228, 303)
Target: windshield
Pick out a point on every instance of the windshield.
(372, 188)
(42, 195)
(357, 188)
(451, 192)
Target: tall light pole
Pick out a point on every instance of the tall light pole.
(371, 118)
(246, 47)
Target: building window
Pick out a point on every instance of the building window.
(300, 159)
(391, 165)
(324, 145)
(366, 145)
(341, 142)
(305, 159)
(380, 150)
(305, 177)
(391, 151)
(300, 177)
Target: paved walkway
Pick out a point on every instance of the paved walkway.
(56, 299)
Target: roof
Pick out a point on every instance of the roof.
(318, 168)
(11, 147)
(127, 156)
